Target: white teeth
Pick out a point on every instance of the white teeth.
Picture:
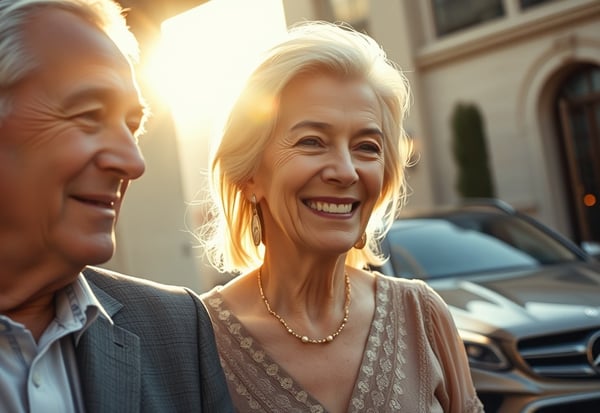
(330, 208)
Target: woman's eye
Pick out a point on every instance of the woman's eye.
(370, 147)
(309, 141)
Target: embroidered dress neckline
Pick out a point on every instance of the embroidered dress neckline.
(247, 343)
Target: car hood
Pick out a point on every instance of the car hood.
(525, 303)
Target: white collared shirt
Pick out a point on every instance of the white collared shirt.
(43, 376)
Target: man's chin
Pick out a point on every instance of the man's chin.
(93, 252)
(102, 255)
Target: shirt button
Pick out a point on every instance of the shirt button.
(37, 379)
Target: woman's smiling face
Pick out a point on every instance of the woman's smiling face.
(322, 171)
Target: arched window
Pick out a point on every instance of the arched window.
(578, 107)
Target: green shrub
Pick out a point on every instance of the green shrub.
(470, 153)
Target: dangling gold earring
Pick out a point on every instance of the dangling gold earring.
(360, 244)
(256, 227)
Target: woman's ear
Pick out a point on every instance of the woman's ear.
(249, 188)
(254, 184)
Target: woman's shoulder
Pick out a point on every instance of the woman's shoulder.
(215, 291)
(238, 296)
(406, 285)
(410, 290)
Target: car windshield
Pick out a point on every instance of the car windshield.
(469, 243)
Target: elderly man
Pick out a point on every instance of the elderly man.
(75, 338)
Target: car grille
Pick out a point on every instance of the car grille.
(568, 355)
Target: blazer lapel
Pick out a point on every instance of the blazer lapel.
(108, 358)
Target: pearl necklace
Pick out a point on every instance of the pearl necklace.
(306, 339)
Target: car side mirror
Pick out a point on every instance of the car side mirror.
(592, 248)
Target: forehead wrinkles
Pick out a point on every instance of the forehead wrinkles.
(74, 57)
(330, 100)
(68, 44)
(56, 33)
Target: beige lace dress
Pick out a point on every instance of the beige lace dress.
(414, 360)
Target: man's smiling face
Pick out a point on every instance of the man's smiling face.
(67, 145)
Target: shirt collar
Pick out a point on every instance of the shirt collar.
(77, 307)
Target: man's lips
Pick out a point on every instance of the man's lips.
(102, 201)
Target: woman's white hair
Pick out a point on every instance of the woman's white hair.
(310, 47)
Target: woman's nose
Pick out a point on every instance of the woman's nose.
(340, 168)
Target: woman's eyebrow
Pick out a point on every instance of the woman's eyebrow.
(311, 124)
(370, 132)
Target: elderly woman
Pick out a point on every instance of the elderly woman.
(309, 174)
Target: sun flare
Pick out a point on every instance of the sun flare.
(205, 54)
(197, 69)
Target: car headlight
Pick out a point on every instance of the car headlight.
(482, 352)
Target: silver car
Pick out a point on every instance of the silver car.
(525, 299)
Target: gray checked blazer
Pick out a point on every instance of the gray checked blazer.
(159, 356)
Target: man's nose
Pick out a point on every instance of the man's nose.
(123, 155)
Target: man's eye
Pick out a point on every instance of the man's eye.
(135, 127)
(90, 115)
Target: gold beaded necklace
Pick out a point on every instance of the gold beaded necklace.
(306, 339)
